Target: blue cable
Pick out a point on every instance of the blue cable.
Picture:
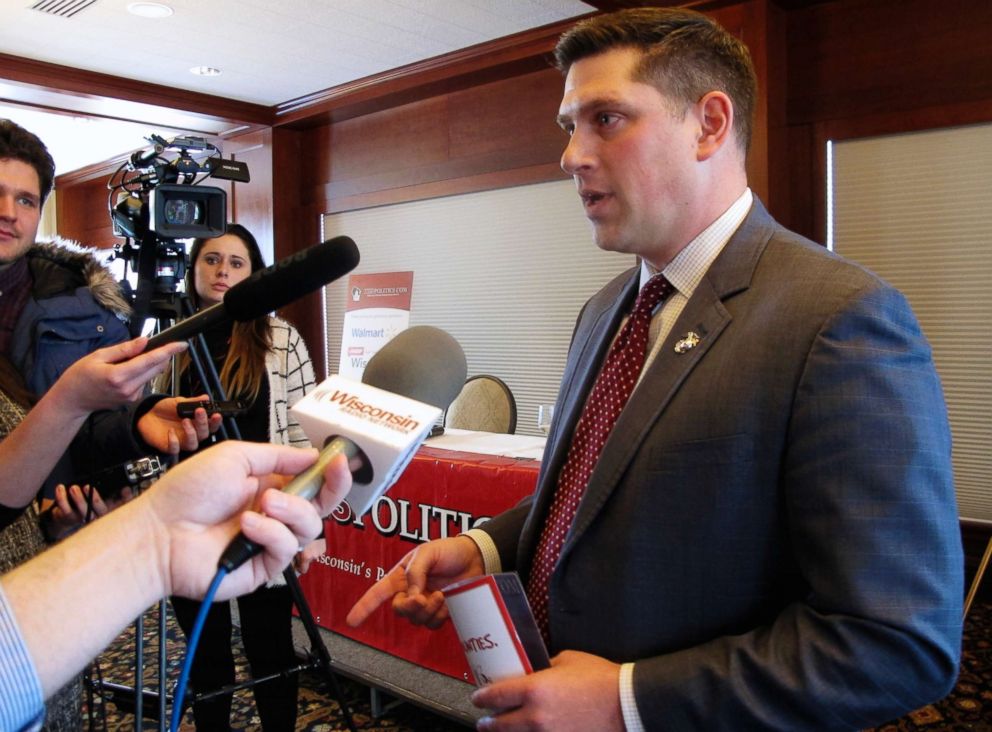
(194, 639)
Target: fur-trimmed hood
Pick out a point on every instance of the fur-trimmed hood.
(62, 265)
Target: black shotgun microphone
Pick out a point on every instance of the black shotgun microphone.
(421, 370)
(270, 288)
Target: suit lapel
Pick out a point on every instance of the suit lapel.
(707, 317)
(592, 338)
(593, 342)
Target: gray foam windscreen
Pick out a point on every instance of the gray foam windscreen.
(423, 363)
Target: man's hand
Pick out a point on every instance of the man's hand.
(415, 582)
(74, 506)
(201, 504)
(313, 550)
(579, 692)
(111, 376)
(164, 430)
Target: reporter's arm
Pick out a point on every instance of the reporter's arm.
(167, 541)
(22, 706)
(105, 378)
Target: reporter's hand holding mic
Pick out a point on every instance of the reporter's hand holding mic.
(238, 488)
(166, 541)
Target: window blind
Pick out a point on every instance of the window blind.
(505, 272)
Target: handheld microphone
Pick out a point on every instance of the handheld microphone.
(270, 289)
(381, 420)
(306, 485)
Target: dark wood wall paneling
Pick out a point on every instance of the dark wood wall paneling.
(859, 68)
(82, 209)
(490, 135)
(485, 137)
(294, 221)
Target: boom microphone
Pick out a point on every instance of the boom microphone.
(381, 420)
(270, 288)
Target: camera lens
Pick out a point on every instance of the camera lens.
(182, 211)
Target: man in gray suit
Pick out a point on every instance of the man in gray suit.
(767, 537)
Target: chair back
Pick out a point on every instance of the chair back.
(485, 404)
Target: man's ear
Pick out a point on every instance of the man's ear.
(716, 116)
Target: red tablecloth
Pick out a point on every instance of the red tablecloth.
(441, 493)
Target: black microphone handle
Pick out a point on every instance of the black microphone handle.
(306, 485)
(190, 327)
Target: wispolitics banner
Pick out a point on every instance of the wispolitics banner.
(378, 308)
(442, 493)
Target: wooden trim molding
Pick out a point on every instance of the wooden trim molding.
(56, 87)
(540, 173)
(502, 58)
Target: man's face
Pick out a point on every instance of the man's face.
(20, 209)
(632, 158)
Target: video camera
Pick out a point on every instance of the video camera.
(161, 196)
(156, 199)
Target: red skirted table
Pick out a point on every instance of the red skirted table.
(441, 493)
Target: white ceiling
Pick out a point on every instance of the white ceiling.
(268, 51)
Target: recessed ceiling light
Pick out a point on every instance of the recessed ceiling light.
(205, 71)
(149, 10)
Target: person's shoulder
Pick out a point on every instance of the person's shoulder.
(284, 334)
(56, 266)
(808, 280)
(787, 248)
(761, 241)
(60, 267)
(278, 324)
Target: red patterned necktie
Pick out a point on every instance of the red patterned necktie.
(606, 400)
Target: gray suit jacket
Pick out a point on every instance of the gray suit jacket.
(771, 532)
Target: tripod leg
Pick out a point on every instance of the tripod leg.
(317, 644)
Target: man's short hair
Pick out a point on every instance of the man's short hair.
(16, 143)
(685, 55)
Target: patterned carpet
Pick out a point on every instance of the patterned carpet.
(317, 712)
(967, 708)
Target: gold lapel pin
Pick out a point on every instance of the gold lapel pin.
(689, 341)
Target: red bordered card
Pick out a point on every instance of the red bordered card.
(496, 627)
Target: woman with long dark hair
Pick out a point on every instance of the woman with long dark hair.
(265, 363)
